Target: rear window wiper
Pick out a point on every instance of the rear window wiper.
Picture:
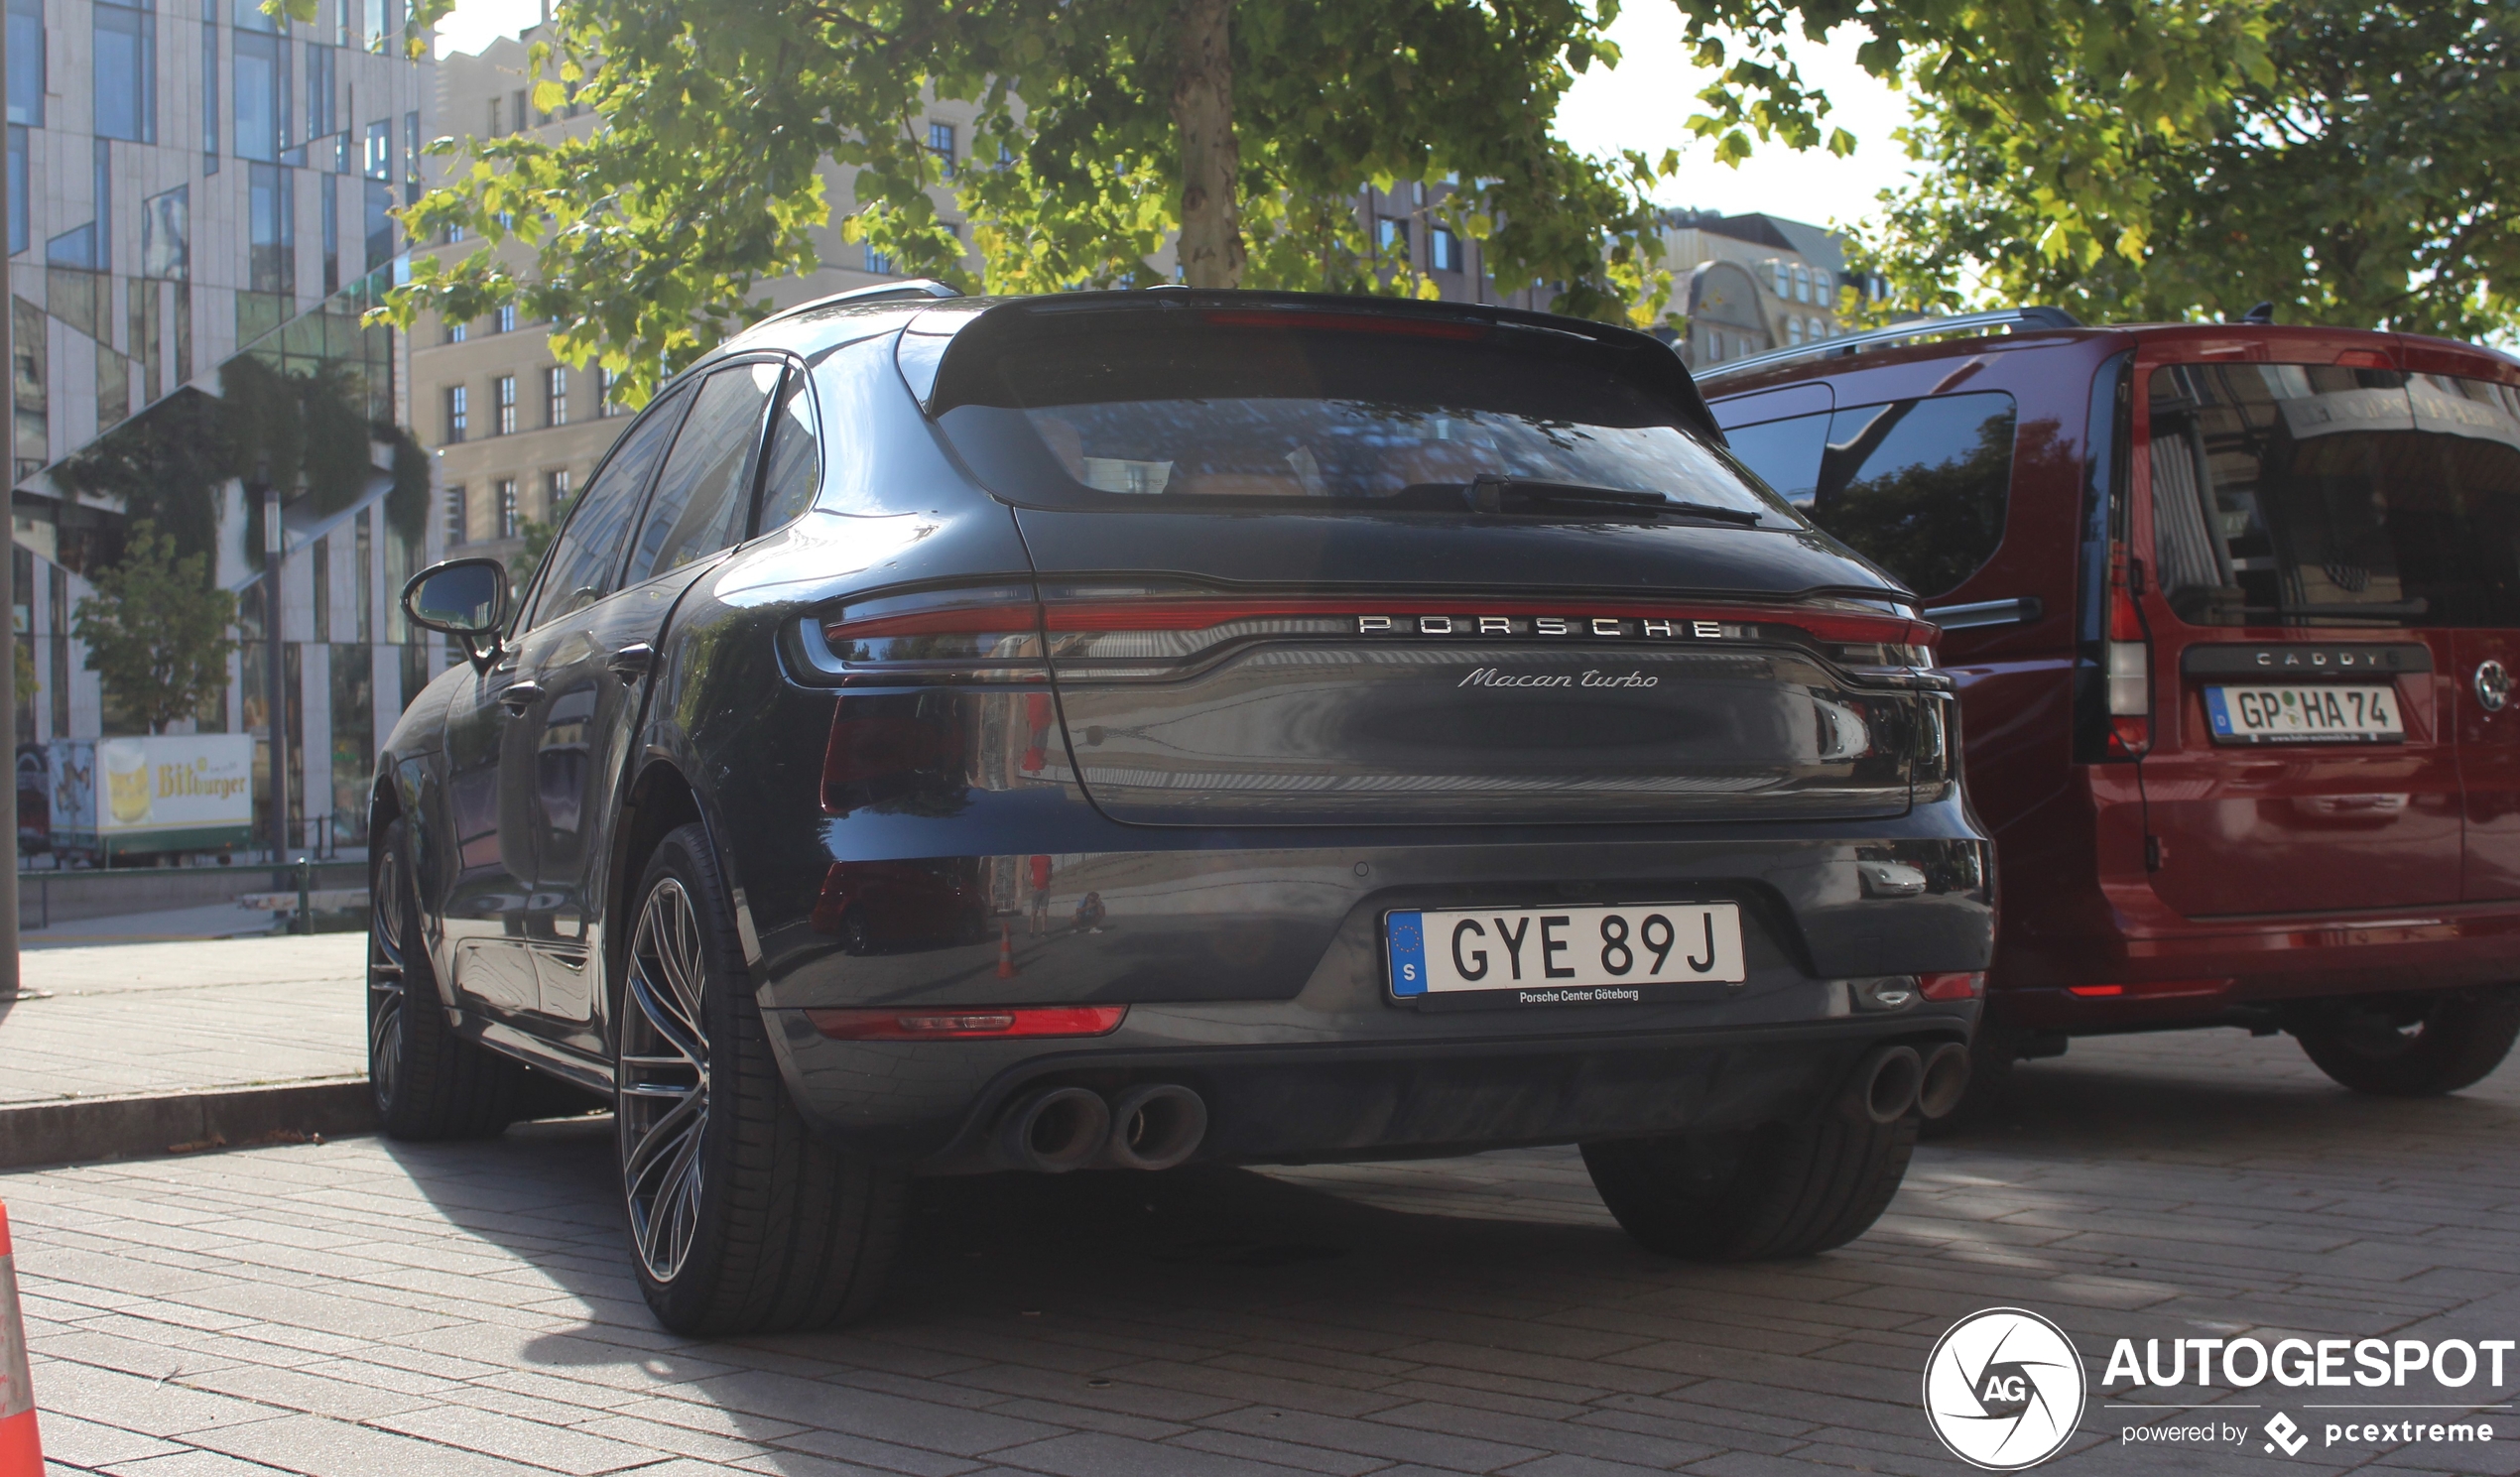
(1516, 494)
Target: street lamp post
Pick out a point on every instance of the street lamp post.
(9, 603)
(275, 683)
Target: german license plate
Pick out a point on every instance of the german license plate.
(1563, 956)
(2311, 714)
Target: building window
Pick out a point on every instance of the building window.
(878, 263)
(506, 318)
(607, 394)
(555, 394)
(259, 95)
(458, 529)
(378, 162)
(456, 331)
(126, 73)
(332, 232)
(272, 219)
(376, 220)
(321, 96)
(516, 111)
(19, 203)
(1443, 249)
(1802, 285)
(503, 403)
(1391, 238)
(1792, 329)
(507, 507)
(209, 90)
(555, 495)
(458, 415)
(941, 144)
(26, 63)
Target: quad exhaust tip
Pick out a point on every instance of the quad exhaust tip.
(1056, 1130)
(1945, 1083)
(1155, 1126)
(1885, 1082)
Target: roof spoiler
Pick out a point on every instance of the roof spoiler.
(2016, 319)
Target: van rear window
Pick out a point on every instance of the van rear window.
(1916, 486)
(2287, 494)
(1233, 416)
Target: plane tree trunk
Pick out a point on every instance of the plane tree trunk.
(1211, 248)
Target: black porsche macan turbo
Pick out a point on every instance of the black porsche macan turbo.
(1120, 731)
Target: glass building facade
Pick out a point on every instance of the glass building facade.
(182, 176)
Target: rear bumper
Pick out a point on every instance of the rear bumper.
(2209, 973)
(935, 1106)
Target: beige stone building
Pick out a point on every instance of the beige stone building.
(1748, 284)
(515, 430)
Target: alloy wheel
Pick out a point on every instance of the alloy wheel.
(387, 961)
(662, 1080)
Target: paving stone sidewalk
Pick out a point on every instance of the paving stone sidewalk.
(183, 1017)
(366, 1307)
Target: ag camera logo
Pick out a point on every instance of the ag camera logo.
(2004, 1388)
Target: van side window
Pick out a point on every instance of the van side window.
(1916, 486)
(2312, 494)
(579, 569)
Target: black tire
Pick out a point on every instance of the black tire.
(429, 1083)
(2421, 1046)
(1784, 1190)
(741, 1220)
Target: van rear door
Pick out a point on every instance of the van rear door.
(2310, 576)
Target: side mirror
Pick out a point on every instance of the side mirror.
(464, 599)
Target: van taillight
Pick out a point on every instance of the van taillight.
(2130, 667)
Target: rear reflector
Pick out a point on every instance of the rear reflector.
(1952, 986)
(2155, 989)
(967, 1024)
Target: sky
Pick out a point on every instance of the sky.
(1644, 104)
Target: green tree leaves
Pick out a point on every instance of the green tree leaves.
(2346, 160)
(155, 629)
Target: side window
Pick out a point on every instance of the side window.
(1785, 453)
(2473, 427)
(701, 496)
(578, 571)
(1916, 486)
(794, 473)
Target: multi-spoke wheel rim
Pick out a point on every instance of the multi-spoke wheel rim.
(662, 1080)
(387, 961)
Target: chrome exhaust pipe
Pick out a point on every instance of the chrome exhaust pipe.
(1946, 1080)
(1157, 1125)
(1055, 1130)
(1884, 1083)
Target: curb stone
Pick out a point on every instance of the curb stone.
(87, 1129)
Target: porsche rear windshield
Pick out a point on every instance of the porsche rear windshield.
(1344, 414)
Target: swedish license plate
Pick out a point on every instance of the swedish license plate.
(1563, 956)
(2306, 714)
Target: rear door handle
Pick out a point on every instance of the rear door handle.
(515, 697)
(632, 661)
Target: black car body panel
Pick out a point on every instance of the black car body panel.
(887, 826)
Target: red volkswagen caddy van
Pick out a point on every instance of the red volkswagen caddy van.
(2236, 610)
